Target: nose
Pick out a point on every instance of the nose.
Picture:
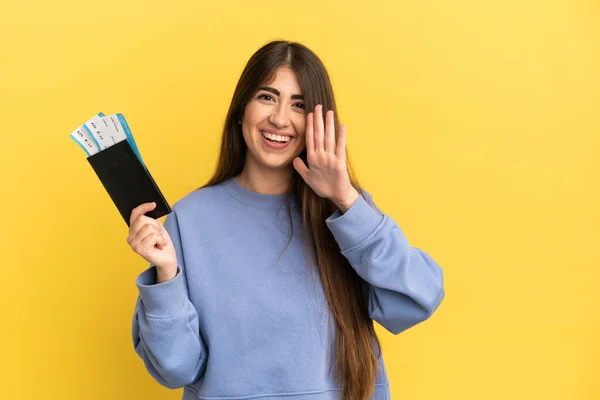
(279, 117)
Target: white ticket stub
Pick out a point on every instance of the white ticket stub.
(112, 127)
(85, 140)
(101, 131)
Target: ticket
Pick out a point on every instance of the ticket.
(101, 132)
(119, 123)
(85, 140)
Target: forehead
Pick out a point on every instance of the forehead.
(285, 80)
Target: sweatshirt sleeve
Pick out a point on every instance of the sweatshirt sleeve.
(165, 326)
(406, 284)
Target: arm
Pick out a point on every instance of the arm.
(165, 326)
(406, 283)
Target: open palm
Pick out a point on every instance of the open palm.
(326, 173)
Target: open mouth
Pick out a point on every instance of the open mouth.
(276, 142)
(275, 138)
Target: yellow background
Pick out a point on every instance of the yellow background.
(474, 124)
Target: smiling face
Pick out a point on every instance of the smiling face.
(274, 122)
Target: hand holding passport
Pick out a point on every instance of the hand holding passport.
(115, 158)
(151, 240)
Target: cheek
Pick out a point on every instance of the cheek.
(301, 131)
(301, 127)
(252, 114)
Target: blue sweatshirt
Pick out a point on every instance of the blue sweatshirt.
(239, 321)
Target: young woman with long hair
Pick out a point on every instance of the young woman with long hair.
(264, 283)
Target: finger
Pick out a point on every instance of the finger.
(341, 144)
(319, 128)
(300, 167)
(143, 227)
(140, 222)
(151, 238)
(161, 227)
(329, 132)
(160, 242)
(163, 232)
(147, 245)
(146, 230)
(310, 140)
(140, 235)
(139, 210)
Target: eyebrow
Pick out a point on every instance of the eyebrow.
(276, 92)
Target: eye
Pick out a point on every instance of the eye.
(264, 96)
(301, 105)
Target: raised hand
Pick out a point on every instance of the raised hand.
(326, 173)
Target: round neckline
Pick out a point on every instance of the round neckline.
(246, 196)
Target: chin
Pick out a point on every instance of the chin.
(274, 160)
(274, 163)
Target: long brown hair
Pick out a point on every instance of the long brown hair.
(346, 292)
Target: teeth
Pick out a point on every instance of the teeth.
(283, 139)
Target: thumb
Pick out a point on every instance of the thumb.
(300, 167)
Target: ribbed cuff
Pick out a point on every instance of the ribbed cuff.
(355, 225)
(161, 299)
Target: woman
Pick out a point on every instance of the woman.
(265, 282)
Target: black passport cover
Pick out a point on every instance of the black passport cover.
(127, 181)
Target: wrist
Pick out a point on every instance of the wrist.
(348, 201)
(165, 274)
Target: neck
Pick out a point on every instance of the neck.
(264, 180)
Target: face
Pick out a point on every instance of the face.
(274, 122)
